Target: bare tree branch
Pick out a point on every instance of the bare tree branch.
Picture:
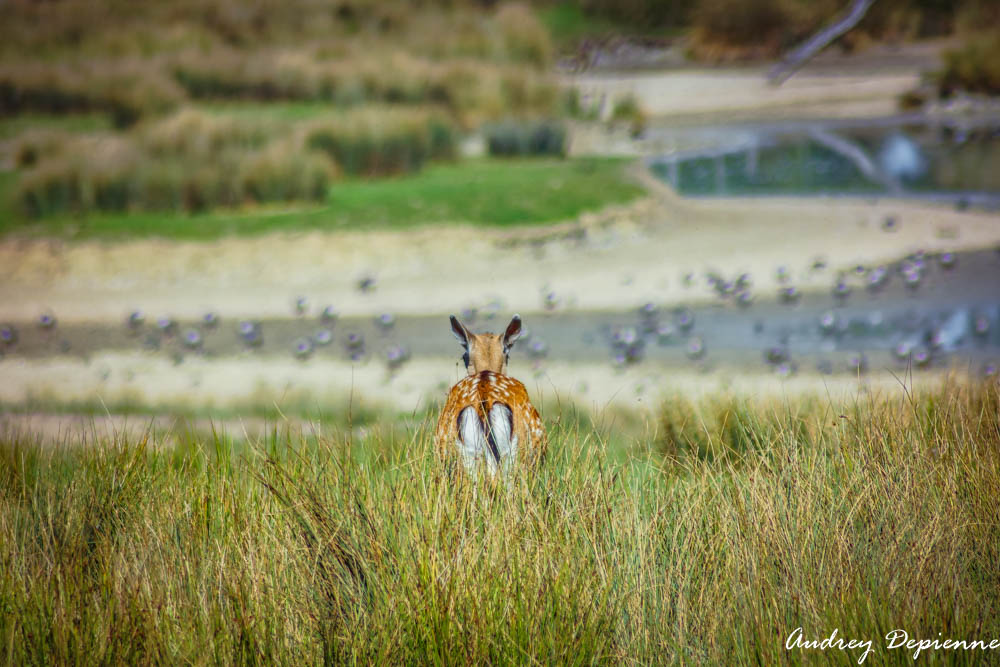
(809, 48)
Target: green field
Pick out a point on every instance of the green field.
(707, 538)
(489, 192)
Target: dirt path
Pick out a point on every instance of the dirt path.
(833, 85)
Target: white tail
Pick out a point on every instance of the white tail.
(492, 443)
(488, 415)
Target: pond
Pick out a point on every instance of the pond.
(913, 158)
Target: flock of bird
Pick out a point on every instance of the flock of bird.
(167, 331)
(919, 340)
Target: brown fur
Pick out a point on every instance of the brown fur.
(486, 385)
(486, 353)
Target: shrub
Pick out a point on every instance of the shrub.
(190, 161)
(387, 141)
(262, 75)
(725, 29)
(37, 144)
(525, 38)
(195, 134)
(641, 14)
(301, 50)
(973, 67)
(471, 89)
(627, 110)
(513, 137)
(125, 90)
(284, 172)
(89, 173)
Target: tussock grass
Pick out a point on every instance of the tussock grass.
(395, 84)
(125, 91)
(344, 551)
(973, 67)
(379, 142)
(526, 138)
(143, 60)
(476, 192)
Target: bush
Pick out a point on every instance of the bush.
(91, 173)
(733, 29)
(377, 143)
(195, 134)
(124, 90)
(37, 144)
(262, 75)
(190, 161)
(352, 54)
(973, 67)
(627, 110)
(642, 14)
(525, 38)
(281, 172)
(510, 138)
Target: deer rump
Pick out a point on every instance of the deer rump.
(487, 433)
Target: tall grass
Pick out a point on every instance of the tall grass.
(972, 67)
(124, 90)
(144, 60)
(375, 68)
(377, 142)
(192, 160)
(871, 516)
(519, 137)
(475, 192)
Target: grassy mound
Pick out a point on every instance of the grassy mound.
(710, 543)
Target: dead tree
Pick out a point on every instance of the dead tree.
(809, 48)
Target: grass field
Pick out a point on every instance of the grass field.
(480, 192)
(12, 126)
(708, 539)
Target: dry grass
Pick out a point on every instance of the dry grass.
(397, 83)
(378, 142)
(192, 160)
(85, 56)
(973, 67)
(863, 517)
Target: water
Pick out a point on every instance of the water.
(910, 159)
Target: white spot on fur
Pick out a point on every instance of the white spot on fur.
(502, 426)
(473, 444)
(471, 438)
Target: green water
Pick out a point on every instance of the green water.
(799, 165)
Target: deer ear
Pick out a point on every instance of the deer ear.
(461, 333)
(512, 333)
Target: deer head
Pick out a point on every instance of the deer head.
(486, 351)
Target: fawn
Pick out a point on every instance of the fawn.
(488, 416)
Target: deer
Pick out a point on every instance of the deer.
(489, 419)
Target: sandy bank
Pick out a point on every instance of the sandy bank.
(614, 259)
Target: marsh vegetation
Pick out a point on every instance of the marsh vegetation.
(705, 535)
